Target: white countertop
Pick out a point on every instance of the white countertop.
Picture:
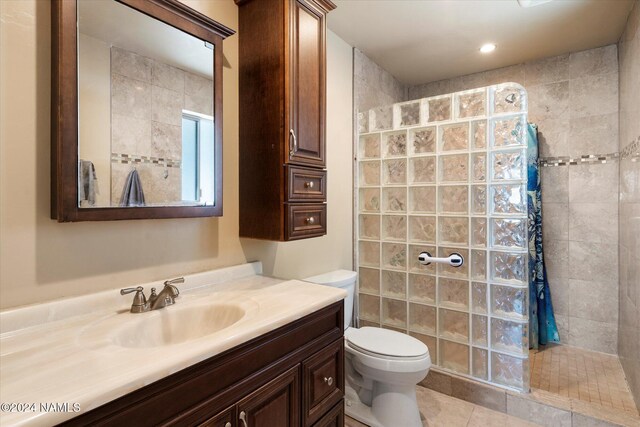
(65, 351)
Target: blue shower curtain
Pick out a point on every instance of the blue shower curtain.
(542, 323)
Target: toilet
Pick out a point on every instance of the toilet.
(382, 367)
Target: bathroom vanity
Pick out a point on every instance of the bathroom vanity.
(275, 357)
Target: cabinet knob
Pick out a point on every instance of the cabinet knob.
(310, 220)
(308, 184)
(243, 418)
(227, 424)
(329, 380)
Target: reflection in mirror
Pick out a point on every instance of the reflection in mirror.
(145, 126)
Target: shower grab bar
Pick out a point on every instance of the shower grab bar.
(454, 260)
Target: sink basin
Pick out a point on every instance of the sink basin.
(175, 325)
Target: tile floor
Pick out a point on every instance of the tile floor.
(582, 375)
(440, 410)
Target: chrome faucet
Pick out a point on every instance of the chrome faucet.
(166, 297)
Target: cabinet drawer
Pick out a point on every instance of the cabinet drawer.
(305, 184)
(306, 220)
(226, 418)
(323, 381)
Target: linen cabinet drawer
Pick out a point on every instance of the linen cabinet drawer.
(306, 220)
(323, 381)
(305, 184)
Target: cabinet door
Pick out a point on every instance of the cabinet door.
(277, 403)
(307, 84)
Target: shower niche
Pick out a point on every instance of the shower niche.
(444, 175)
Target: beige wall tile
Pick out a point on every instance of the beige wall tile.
(593, 135)
(594, 300)
(593, 183)
(592, 335)
(593, 261)
(545, 415)
(593, 95)
(603, 60)
(547, 70)
(593, 222)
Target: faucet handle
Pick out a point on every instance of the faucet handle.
(139, 300)
(172, 281)
(126, 291)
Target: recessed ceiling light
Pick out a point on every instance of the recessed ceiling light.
(488, 47)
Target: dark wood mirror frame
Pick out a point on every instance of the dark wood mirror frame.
(64, 110)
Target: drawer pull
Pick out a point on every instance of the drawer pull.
(310, 220)
(243, 418)
(308, 184)
(329, 380)
(228, 424)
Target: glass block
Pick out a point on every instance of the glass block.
(422, 169)
(453, 293)
(381, 118)
(454, 199)
(395, 171)
(509, 370)
(509, 99)
(369, 280)
(453, 325)
(422, 141)
(480, 363)
(507, 301)
(479, 330)
(422, 199)
(370, 173)
(479, 297)
(394, 199)
(479, 232)
(369, 200)
(422, 288)
(450, 271)
(422, 229)
(479, 199)
(471, 104)
(454, 168)
(509, 131)
(509, 232)
(363, 122)
(369, 253)
(454, 137)
(394, 312)
(508, 165)
(422, 318)
(409, 114)
(370, 146)
(508, 199)
(394, 256)
(402, 329)
(478, 265)
(509, 267)
(439, 109)
(394, 284)
(479, 134)
(394, 227)
(395, 144)
(431, 343)
(509, 336)
(414, 264)
(454, 356)
(370, 227)
(454, 230)
(369, 307)
(368, 323)
(479, 167)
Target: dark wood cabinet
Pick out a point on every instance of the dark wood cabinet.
(282, 116)
(290, 377)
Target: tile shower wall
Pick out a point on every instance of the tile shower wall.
(574, 100)
(147, 101)
(373, 85)
(629, 248)
(447, 175)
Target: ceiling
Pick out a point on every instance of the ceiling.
(429, 40)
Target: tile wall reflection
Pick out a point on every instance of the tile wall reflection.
(448, 174)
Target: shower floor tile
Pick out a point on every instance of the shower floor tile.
(583, 375)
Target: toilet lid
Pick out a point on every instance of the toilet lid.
(386, 342)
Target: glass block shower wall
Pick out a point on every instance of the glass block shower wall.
(447, 175)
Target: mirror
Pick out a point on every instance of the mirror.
(147, 136)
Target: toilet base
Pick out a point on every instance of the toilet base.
(391, 407)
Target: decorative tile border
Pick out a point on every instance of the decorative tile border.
(631, 152)
(131, 159)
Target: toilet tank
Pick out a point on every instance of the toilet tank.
(343, 279)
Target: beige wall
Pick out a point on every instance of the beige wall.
(629, 248)
(41, 259)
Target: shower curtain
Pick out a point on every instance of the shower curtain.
(542, 323)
